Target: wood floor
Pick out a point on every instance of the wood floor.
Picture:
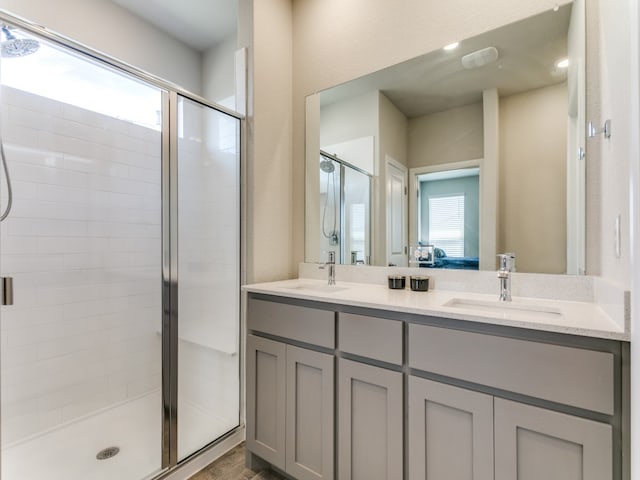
(231, 467)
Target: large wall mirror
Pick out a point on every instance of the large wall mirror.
(449, 158)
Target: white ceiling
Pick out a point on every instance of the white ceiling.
(435, 82)
(198, 23)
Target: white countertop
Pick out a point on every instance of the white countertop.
(576, 318)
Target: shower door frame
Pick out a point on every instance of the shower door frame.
(169, 231)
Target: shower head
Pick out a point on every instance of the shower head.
(326, 166)
(17, 47)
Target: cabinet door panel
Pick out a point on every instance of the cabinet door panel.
(533, 443)
(450, 432)
(309, 414)
(370, 422)
(266, 399)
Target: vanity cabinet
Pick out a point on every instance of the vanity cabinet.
(290, 407)
(370, 421)
(425, 398)
(266, 390)
(290, 390)
(453, 433)
(370, 398)
(529, 442)
(450, 432)
(533, 443)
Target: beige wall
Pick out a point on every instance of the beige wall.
(269, 173)
(392, 130)
(454, 135)
(613, 165)
(532, 179)
(392, 142)
(218, 72)
(348, 120)
(608, 186)
(336, 41)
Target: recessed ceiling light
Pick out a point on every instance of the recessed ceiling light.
(564, 63)
(451, 46)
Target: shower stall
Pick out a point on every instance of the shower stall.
(120, 336)
(345, 210)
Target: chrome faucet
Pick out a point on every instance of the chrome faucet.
(331, 279)
(507, 265)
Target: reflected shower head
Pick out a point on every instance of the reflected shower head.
(14, 47)
(326, 166)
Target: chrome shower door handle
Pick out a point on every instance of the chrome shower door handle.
(7, 290)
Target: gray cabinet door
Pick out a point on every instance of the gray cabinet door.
(450, 432)
(370, 422)
(309, 416)
(532, 443)
(266, 399)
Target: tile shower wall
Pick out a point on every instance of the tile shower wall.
(84, 247)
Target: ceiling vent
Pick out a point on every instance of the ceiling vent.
(480, 58)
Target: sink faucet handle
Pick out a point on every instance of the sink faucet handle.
(331, 260)
(507, 261)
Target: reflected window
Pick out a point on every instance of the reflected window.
(357, 230)
(446, 224)
(449, 216)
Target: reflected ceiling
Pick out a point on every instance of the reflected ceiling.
(437, 81)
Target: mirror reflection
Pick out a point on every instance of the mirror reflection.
(465, 152)
(345, 206)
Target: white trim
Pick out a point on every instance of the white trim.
(312, 179)
(443, 167)
(489, 182)
(390, 161)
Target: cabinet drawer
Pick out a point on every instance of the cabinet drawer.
(370, 337)
(572, 376)
(303, 324)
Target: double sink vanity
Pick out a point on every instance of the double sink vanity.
(356, 380)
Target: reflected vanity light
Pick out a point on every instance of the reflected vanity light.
(451, 46)
(562, 63)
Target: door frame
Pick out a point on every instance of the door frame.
(414, 197)
(390, 162)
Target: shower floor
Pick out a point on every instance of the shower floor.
(69, 452)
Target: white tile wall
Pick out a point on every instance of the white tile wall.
(83, 245)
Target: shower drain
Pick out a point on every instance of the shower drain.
(108, 452)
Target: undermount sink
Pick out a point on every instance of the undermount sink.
(505, 308)
(310, 287)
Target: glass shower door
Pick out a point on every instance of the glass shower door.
(208, 218)
(81, 344)
(356, 214)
